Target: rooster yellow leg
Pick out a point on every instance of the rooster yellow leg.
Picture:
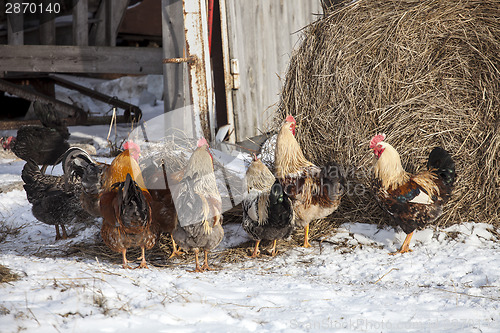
(197, 268)
(406, 245)
(273, 249)
(306, 236)
(175, 251)
(124, 259)
(205, 264)
(143, 259)
(256, 251)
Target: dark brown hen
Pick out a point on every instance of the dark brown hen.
(127, 219)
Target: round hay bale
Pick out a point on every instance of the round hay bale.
(426, 73)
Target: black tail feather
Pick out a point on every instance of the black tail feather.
(133, 204)
(333, 179)
(280, 209)
(442, 161)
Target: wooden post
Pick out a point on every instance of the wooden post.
(83, 59)
(47, 26)
(110, 29)
(200, 71)
(80, 22)
(175, 86)
(109, 16)
(15, 27)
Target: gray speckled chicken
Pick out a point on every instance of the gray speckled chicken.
(267, 210)
(55, 201)
(199, 206)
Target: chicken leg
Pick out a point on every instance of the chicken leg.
(176, 252)
(197, 269)
(205, 266)
(124, 259)
(256, 251)
(306, 236)
(406, 245)
(273, 249)
(58, 234)
(64, 233)
(143, 259)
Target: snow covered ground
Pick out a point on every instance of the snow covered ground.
(345, 283)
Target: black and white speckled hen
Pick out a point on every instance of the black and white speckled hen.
(54, 201)
(199, 206)
(267, 210)
(412, 200)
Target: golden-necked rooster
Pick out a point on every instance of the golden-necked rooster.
(315, 192)
(267, 210)
(199, 206)
(412, 200)
(127, 219)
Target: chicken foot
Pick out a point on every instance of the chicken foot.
(143, 259)
(256, 251)
(197, 269)
(273, 249)
(176, 252)
(406, 245)
(58, 234)
(205, 266)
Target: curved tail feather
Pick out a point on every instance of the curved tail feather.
(442, 161)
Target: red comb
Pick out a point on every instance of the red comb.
(376, 139)
(131, 145)
(290, 119)
(202, 142)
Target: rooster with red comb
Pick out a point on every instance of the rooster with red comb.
(412, 200)
(315, 192)
(198, 224)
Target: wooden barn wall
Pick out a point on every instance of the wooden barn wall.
(262, 35)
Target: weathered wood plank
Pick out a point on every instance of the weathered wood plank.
(90, 121)
(80, 22)
(81, 59)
